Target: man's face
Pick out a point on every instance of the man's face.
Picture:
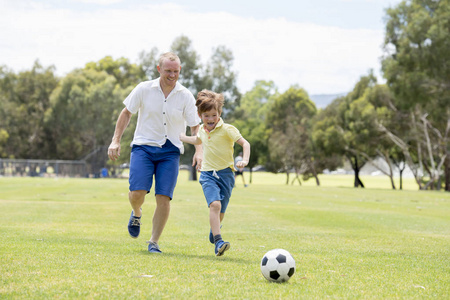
(169, 71)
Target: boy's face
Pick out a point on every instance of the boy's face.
(210, 119)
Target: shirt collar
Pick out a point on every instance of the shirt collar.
(157, 84)
(218, 125)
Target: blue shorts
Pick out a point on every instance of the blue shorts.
(217, 187)
(162, 162)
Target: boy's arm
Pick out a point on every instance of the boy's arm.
(246, 150)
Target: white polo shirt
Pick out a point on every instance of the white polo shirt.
(161, 118)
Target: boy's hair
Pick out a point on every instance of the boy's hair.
(169, 56)
(207, 100)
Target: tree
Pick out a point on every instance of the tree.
(289, 130)
(148, 62)
(327, 143)
(191, 68)
(381, 99)
(345, 127)
(217, 76)
(220, 77)
(190, 78)
(125, 73)
(417, 68)
(25, 97)
(83, 111)
(3, 140)
(7, 83)
(250, 119)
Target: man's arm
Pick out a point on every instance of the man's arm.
(121, 125)
(193, 140)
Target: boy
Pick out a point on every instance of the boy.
(217, 170)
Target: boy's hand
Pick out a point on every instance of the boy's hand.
(182, 137)
(242, 164)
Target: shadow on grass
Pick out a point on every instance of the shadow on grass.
(201, 257)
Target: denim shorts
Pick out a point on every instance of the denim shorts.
(161, 162)
(217, 185)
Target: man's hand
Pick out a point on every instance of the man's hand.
(122, 123)
(114, 150)
(197, 159)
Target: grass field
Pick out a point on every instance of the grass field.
(67, 238)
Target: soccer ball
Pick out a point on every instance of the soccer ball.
(278, 265)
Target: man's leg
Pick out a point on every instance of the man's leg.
(160, 217)
(141, 176)
(166, 173)
(137, 200)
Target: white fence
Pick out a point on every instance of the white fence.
(44, 168)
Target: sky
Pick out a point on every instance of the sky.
(323, 46)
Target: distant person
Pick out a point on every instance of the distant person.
(217, 170)
(239, 171)
(165, 107)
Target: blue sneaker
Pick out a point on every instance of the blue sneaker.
(134, 226)
(153, 247)
(211, 236)
(221, 247)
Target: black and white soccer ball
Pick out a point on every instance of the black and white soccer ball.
(278, 265)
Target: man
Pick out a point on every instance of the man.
(239, 171)
(165, 107)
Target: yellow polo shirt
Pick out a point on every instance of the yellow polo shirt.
(218, 146)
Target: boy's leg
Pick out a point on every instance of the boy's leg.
(211, 235)
(215, 217)
(216, 188)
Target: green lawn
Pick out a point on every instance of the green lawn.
(67, 238)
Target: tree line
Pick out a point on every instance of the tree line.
(405, 121)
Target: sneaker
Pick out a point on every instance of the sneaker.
(134, 226)
(153, 247)
(211, 236)
(221, 247)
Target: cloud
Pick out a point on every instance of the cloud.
(318, 58)
(101, 2)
